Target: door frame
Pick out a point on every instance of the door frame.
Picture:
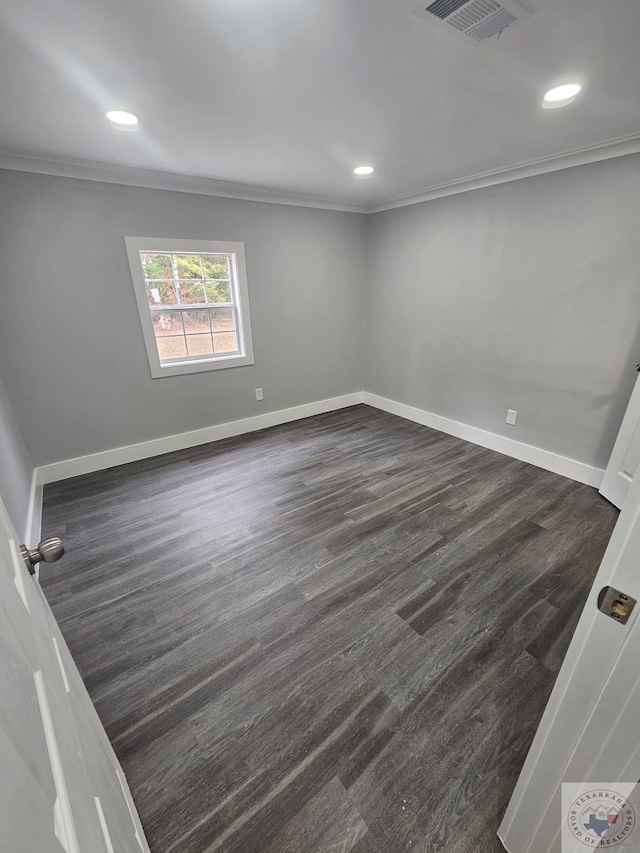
(615, 482)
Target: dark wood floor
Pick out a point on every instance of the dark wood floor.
(335, 635)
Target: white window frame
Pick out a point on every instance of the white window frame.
(193, 364)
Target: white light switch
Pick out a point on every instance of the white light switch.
(512, 416)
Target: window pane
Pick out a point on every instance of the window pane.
(196, 321)
(191, 291)
(223, 319)
(172, 347)
(225, 342)
(218, 291)
(200, 344)
(215, 267)
(167, 323)
(188, 266)
(156, 266)
(161, 293)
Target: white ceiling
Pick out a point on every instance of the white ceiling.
(292, 94)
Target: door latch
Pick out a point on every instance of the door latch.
(615, 604)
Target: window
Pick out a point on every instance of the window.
(194, 303)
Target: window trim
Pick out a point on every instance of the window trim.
(135, 245)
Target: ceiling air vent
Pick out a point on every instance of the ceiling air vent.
(477, 19)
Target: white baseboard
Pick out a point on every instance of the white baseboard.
(571, 468)
(132, 453)
(156, 447)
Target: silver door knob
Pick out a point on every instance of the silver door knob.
(48, 551)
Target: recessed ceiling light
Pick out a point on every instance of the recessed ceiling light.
(363, 171)
(122, 120)
(560, 96)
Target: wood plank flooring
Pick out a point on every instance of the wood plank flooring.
(334, 635)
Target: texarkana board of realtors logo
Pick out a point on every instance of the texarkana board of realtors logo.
(599, 817)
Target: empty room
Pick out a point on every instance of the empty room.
(319, 425)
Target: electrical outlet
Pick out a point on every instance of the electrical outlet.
(259, 394)
(512, 416)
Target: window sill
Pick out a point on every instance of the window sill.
(179, 368)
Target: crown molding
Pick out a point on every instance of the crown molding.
(578, 157)
(151, 179)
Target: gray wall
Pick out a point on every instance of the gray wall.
(16, 468)
(70, 338)
(522, 296)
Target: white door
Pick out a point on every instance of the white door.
(589, 730)
(61, 787)
(625, 456)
